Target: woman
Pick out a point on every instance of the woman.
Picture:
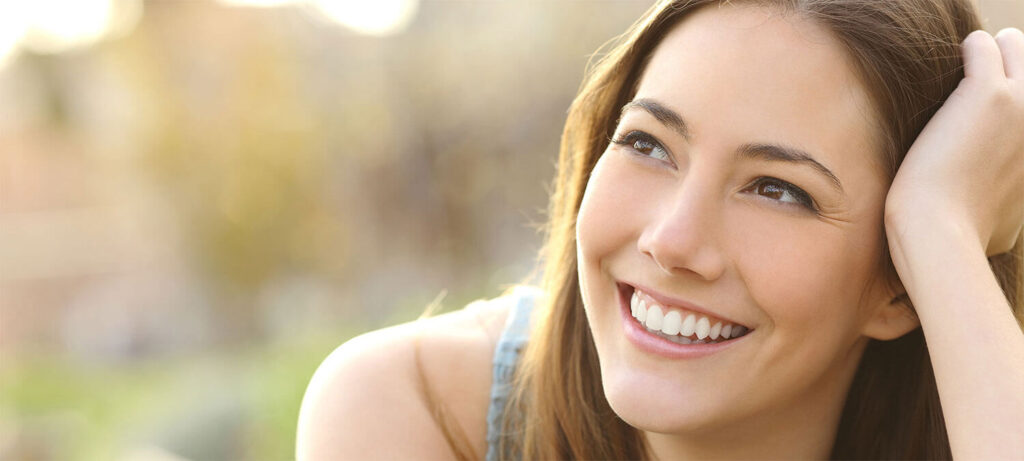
(762, 210)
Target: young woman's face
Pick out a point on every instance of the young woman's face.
(743, 185)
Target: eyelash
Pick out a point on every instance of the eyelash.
(802, 199)
(631, 139)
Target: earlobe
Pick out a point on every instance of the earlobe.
(892, 319)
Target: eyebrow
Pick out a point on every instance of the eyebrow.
(760, 151)
(666, 116)
(787, 154)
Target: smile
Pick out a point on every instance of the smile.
(678, 325)
(674, 331)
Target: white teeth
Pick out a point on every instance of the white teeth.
(686, 329)
(670, 326)
(654, 317)
(715, 330)
(703, 327)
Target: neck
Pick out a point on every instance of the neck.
(802, 428)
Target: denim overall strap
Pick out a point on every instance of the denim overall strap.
(506, 355)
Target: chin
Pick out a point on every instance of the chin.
(670, 405)
(652, 414)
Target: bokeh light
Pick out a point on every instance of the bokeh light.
(200, 199)
(56, 26)
(379, 17)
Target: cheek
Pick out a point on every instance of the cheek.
(609, 213)
(806, 275)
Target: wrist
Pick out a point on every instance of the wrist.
(928, 224)
(920, 246)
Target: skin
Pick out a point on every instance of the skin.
(687, 224)
(681, 216)
(366, 400)
(691, 226)
(945, 212)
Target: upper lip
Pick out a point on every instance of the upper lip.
(666, 300)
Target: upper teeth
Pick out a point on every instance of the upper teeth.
(674, 322)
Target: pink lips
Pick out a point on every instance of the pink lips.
(642, 339)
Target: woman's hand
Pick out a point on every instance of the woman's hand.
(965, 172)
(957, 197)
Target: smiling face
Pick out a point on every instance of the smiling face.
(742, 183)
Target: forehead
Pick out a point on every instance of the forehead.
(742, 74)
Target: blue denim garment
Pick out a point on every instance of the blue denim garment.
(506, 355)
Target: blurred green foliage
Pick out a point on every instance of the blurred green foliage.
(96, 412)
(195, 213)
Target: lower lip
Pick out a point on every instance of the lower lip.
(647, 342)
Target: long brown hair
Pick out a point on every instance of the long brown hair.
(908, 56)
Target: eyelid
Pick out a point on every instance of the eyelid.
(793, 189)
(632, 136)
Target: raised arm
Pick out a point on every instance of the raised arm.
(957, 197)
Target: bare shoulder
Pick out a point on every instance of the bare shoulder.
(368, 399)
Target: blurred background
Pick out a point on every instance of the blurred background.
(200, 199)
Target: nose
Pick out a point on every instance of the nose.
(681, 236)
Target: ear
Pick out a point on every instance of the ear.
(893, 315)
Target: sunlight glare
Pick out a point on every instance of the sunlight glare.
(61, 25)
(258, 3)
(377, 17)
(55, 26)
(12, 28)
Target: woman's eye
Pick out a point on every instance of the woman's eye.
(644, 144)
(782, 191)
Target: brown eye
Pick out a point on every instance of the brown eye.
(771, 190)
(782, 191)
(644, 144)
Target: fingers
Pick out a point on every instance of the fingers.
(982, 58)
(1011, 44)
(987, 57)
